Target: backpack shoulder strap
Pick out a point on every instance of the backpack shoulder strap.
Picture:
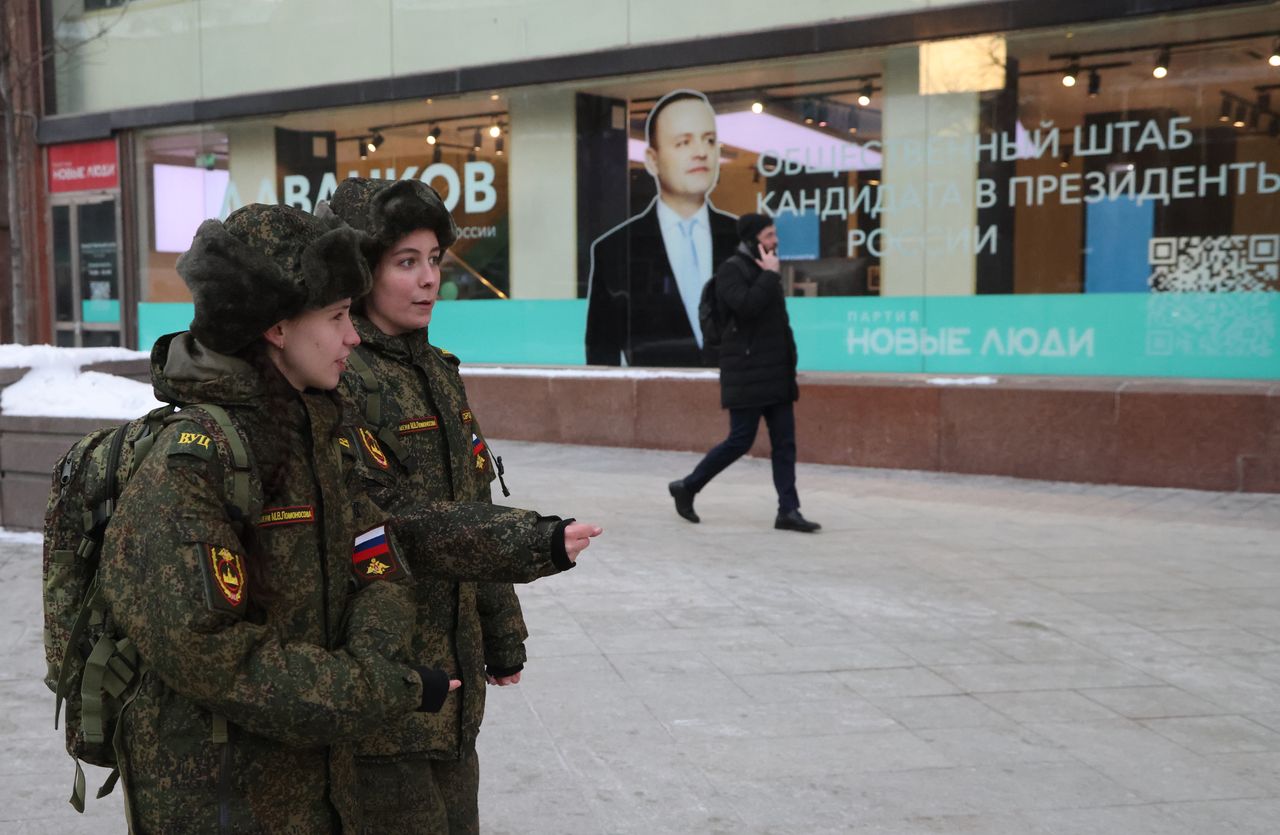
(372, 411)
(239, 486)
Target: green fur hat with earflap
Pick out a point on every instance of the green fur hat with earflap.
(388, 211)
(268, 263)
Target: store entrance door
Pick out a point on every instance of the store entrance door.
(86, 271)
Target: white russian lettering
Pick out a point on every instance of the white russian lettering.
(986, 195)
(481, 195)
(453, 192)
(297, 190)
(1155, 186)
(1268, 183)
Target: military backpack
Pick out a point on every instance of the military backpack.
(92, 669)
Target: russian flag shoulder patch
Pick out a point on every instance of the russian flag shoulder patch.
(373, 557)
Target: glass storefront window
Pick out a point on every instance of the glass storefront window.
(1040, 202)
(459, 147)
(1035, 202)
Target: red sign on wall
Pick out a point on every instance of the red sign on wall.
(83, 166)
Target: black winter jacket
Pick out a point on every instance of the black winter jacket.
(757, 350)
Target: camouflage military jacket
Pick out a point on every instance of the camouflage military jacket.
(266, 630)
(425, 421)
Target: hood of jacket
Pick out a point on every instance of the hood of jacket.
(184, 372)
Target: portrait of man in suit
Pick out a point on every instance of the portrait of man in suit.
(647, 273)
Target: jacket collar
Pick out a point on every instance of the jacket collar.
(403, 347)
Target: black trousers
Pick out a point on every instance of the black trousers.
(780, 418)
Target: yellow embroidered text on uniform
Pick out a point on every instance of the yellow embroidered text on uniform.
(196, 438)
(286, 516)
(418, 425)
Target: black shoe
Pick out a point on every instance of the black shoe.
(793, 521)
(684, 500)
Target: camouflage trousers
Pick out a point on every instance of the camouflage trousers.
(420, 796)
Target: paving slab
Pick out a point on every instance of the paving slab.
(951, 654)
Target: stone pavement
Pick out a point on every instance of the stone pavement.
(951, 654)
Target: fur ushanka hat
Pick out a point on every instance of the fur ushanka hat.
(387, 211)
(265, 264)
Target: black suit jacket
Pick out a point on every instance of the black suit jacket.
(634, 307)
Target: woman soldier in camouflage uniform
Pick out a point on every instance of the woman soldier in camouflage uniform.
(268, 641)
(412, 390)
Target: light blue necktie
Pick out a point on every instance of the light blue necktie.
(686, 228)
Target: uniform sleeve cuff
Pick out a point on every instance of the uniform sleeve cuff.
(559, 556)
(435, 689)
(503, 672)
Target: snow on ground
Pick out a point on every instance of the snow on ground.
(56, 387)
(21, 537)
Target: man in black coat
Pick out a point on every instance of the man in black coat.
(757, 372)
(647, 273)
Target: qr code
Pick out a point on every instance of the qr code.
(1216, 325)
(1219, 264)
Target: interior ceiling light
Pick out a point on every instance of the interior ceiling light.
(499, 146)
(864, 98)
(1241, 113)
(476, 141)
(495, 131)
(1274, 58)
(1161, 69)
(434, 136)
(1095, 83)
(757, 107)
(1225, 114)
(363, 153)
(436, 155)
(375, 142)
(1069, 77)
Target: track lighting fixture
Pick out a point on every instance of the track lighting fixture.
(1161, 69)
(1095, 83)
(1069, 77)
(434, 136)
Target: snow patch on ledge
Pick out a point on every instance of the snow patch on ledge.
(34, 356)
(56, 387)
(961, 381)
(591, 373)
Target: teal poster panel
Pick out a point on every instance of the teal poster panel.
(1214, 335)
